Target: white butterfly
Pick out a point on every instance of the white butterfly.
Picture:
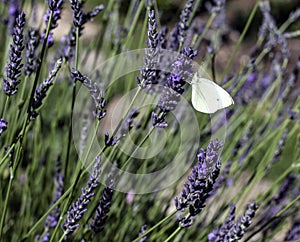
(207, 96)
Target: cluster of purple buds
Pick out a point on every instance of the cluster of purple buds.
(14, 66)
(55, 8)
(41, 91)
(143, 230)
(80, 18)
(103, 207)
(174, 86)
(147, 73)
(77, 209)
(184, 22)
(231, 230)
(31, 47)
(129, 122)
(3, 126)
(200, 183)
(219, 234)
(95, 91)
(110, 141)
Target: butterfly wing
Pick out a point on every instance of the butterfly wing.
(208, 97)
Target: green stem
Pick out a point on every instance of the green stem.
(134, 23)
(156, 226)
(277, 216)
(5, 107)
(173, 234)
(72, 106)
(197, 42)
(40, 63)
(7, 153)
(237, 46)
(138, 146)
(4, 210)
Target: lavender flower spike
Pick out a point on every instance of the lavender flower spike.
(13, 68)
(3, 126)
(41, 91)
(31, 47)
(103, 207)
(183, 24)
(78, 208)
(239, 229)
(56, 7)
(200, 183)
(95, 91)
(220, 233)
(146, 78)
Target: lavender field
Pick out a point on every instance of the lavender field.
(149, 120)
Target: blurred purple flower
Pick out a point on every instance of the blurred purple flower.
(52, 218)
(3, 126)
(294, 233)
(13, 12)
(31, 47)
(130, 196)
(128, 123)
(143, 230)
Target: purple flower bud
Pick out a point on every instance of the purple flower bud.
(128, 122)
(55, 6)
(79, 20)
(110, 141)
(3, 125)
(159, 120)
(143, 230)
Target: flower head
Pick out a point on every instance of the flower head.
(31, 47)
(14, 66)
(77, 209)
(200, 183)
(103, 206)
(41, 91)
(95, 91)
